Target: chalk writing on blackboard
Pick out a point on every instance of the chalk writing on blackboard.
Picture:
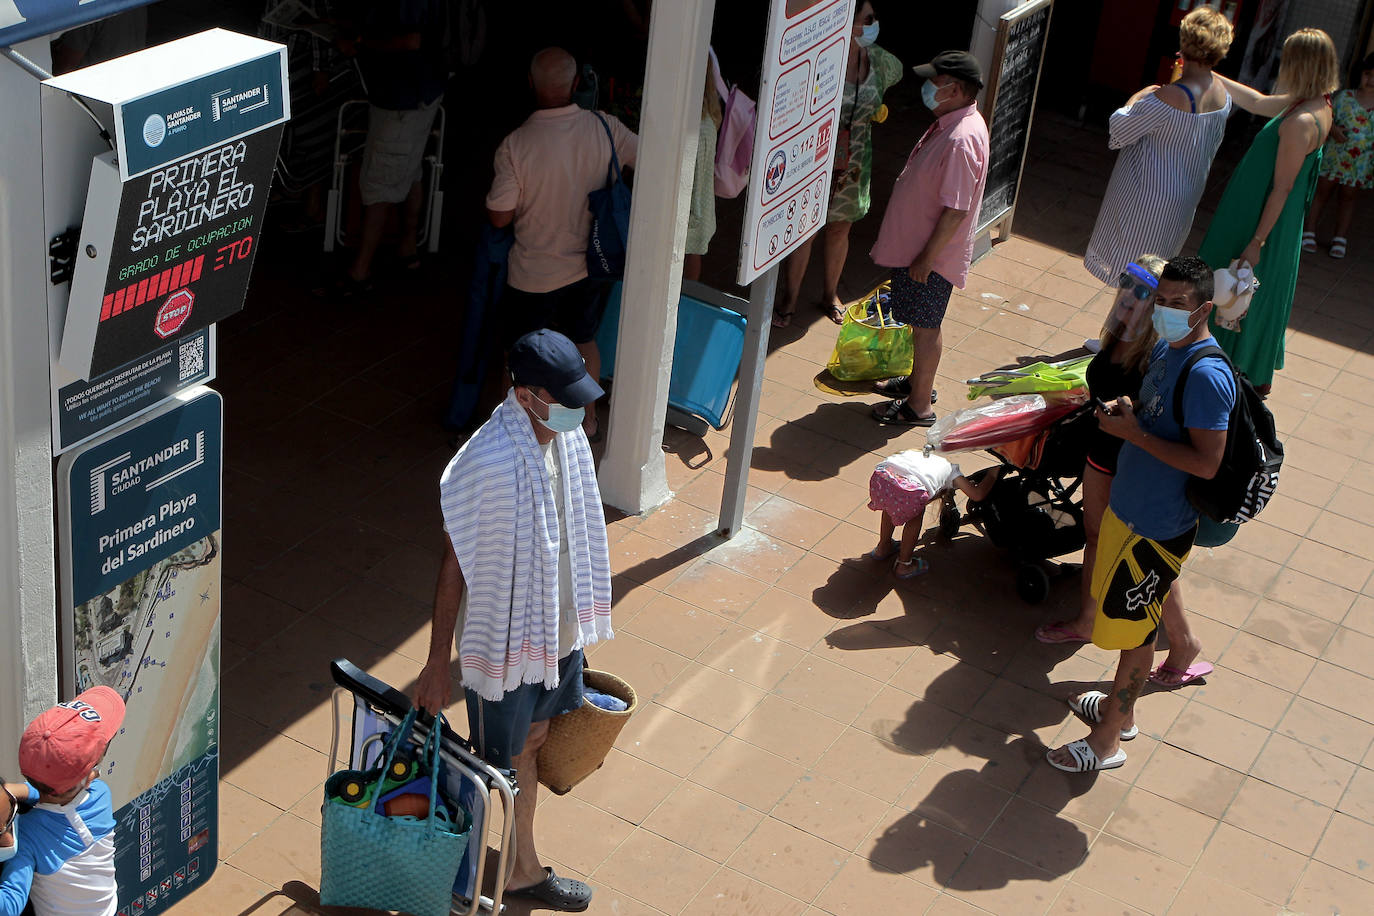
(1021, 43)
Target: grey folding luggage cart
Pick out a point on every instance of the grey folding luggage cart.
(471, 781)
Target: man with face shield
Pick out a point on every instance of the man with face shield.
(1148, 527)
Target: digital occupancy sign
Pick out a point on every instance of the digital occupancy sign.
(184, 242)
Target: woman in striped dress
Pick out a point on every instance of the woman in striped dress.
(1167, 136)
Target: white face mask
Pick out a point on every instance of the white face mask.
(561, 419)
(868, 35)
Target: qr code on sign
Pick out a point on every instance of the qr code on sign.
(191, 358)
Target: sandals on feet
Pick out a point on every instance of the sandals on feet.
(899, 413)
(834, 312)
(1338, 247)
(782, 319)
(566, 895)
(1085, 759)
(912, 568)
(1196, 671)
(1057, 634)
(1088, 707)
(900, 386)
(873, 554)
(1309, 242)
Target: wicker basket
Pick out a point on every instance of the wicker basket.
(579, 741)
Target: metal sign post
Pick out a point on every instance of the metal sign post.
(761, 294)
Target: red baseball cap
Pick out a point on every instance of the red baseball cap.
(63, 744)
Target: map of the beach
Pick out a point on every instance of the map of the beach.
(155, 639)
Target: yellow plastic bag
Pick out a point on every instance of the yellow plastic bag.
(871, 345)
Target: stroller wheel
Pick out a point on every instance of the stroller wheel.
(950, 520)
(1032, 583)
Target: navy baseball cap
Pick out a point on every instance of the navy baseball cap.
(546, 359)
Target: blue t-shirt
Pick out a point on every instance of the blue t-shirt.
(1148, 494)
(48, 840)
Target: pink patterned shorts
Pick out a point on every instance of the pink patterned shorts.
(901, 499)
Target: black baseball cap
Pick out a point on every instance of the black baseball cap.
(546, 359)
(960, 64)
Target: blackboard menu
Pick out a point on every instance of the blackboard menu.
(1010, 100)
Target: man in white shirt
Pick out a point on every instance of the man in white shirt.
(545, 169)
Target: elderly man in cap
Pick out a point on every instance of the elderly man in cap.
(927, 233)
(525, 581)
(65, 863)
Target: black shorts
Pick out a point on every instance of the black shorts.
(574, 310)
(1103, 451)
(921, 305)
(498, 729)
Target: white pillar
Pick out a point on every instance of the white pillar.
(28, 591)
(633, 476)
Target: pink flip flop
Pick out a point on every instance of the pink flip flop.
(1056, 634)
(1195, 670)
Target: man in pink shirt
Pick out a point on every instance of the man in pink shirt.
(927, 232)
(545, 169)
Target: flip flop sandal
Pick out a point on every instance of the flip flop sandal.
(900, 386)
(1309, 242)
(834, 312)
(898, 413)
(566, 895)
(1057, 634)
(873, 554)
(1088, 707)
(914, 567)
(783, 319)
(1085, 760)
(1196, 671)
(1338, 247)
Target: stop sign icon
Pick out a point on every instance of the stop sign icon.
(174, 313)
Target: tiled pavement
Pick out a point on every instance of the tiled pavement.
(815, 737)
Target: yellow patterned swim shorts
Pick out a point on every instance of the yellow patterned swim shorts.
(1131, 578)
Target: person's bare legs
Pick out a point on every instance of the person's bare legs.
(885, 529)
(528, 870)
(836, 250)
(795, 268)
(928, 344)
(1184, 646)
(911, 533)
(1097, 489)
(1118, 710)
(410, 227)
(691, 267)
(374, 224)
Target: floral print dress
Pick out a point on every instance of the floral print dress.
(1351, 163)
(849, 192)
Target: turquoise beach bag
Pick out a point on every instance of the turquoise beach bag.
(390, 863)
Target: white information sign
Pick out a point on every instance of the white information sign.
(795, 135)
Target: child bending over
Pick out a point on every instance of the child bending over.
(900, 488)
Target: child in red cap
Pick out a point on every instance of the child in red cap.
(65, 863)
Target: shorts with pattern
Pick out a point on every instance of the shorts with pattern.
(1132, 576)
(393, 155)
(900, 498)
(921, 305)
(498, 729)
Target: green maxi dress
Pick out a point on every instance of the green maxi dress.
(1257, 348)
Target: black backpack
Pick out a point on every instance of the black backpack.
(1249, 471)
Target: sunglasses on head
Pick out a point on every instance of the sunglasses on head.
(14, 809)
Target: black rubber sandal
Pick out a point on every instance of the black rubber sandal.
(899, 413)
(900, 386)
(567, 895)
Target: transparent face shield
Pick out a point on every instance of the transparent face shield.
(1130, 314)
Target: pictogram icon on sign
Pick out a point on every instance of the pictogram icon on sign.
(174, 313)
(773, 245)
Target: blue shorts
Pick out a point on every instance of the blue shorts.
(498, 729)
(921, 305)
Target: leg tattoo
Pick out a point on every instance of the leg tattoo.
(1128, 694)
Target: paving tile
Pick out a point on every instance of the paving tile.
(230, 890)
(713, 697)
(899, 718)
(717, 589)
(288, 849)
(1002, 759)
(828, 688)
(729, 891)
(668, 739)
(791, 522)
(1303, 769)
(1221, 738)
(1075, 900)
(704, 821)
(1359, 796)
(1350, 649)
(1190, 780)
(876, 648)
(1204, 895)
(1039, 836)
(1255, 865)
(788, 859)
(663, 874)
(1328, 890)
(750, 656)
(747, 773)
(647, 667)
(1000, 883)
(831, 810)
(1090, 801)
(1348, 845)
(1278, 815)
(915, 846)
(628, 787)
(242, 816)
(1308, 593)
(1339, 687)
(862, 887)
(673, 624)
(1244, 697)
(787, 617)
(1128, 872)
(961, 800)
(789, 730)
(1286, 626)
(581, 835)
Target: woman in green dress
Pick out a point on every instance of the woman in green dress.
(1260, 216)
(869, 73)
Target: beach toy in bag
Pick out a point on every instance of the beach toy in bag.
(871, 344)
(388, 841)
(1234, 288)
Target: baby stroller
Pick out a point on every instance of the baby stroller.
(1032, 511)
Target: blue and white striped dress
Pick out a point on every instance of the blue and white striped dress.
(1156, 184)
